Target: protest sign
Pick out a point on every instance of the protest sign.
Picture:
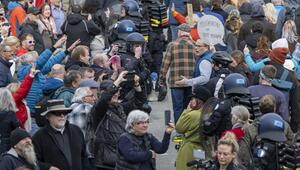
(210, 30)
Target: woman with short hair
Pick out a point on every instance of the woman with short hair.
(137, 148)
(8, 119)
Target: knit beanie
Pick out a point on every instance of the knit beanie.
(280, 43)
(296, 53)
(17, 135)
(278, 55)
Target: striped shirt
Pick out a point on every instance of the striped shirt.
(180, 59)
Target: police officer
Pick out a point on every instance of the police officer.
(133, 60)
(220, 61)
(270, 132)
(234, 85)
(119, 34)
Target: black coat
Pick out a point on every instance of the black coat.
(5, 74)
(268, 29)
(76, 27)
(8, 122)
(49, 154)
(32, 28)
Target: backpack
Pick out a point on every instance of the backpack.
(282, 85)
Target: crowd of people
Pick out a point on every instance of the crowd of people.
(75, 84)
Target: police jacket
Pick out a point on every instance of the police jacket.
(220, 119)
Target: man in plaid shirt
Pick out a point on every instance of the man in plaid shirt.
(180, 59)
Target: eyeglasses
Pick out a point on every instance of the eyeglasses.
(142, 122)
(59, 113)
(31, 42)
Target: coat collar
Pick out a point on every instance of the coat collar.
(5, 62)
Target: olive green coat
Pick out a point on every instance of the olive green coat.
(188, 124)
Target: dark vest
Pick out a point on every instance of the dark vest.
(139, 145)
(205, 56)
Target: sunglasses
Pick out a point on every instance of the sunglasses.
(31, 42)
(59, 113)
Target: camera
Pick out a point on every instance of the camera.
(203, 164)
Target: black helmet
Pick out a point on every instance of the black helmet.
(124, 28)
(271, 126)
(131, 7)
(222, 57)
(135, 37)
(235, 83)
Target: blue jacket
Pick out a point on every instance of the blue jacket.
(206, 56)
(179, 7)
(254, 67)
(297, 69)
(5, 74)
(44, 64)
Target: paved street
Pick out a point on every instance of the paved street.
(165, 161)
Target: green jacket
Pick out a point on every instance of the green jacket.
(188, 124)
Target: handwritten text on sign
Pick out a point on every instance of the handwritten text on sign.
(210, 29)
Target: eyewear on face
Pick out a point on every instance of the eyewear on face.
(143, 122)
(59, 113)
(31, 42)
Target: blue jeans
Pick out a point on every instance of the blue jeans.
(174, 31)
(179, 100)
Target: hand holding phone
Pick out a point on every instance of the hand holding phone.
(167, 117)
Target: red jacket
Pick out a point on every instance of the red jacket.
(21, 51)
(181, 19)
(21, 94)
(239, 133)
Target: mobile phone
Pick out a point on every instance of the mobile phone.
(167, 117)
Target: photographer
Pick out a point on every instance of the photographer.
(133, 60)
(107, 120)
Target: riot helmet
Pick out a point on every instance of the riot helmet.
(134, 38)
(221, 57)
(271, 126)
(131, 8)
(124, 28)
(235, 83)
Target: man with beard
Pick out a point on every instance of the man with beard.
(21, 153)
(59, 145)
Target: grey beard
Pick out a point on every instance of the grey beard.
(29, 155)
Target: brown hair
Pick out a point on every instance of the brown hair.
(269, 71)
(238, 56)
(263, 43)
(78, 51)
(267, 104)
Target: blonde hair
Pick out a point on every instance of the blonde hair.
(270, 13)
(229, 139)
(11, 40)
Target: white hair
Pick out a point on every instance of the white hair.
(28, 57)
(80, 93)
(7, 101)
(134, 117)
